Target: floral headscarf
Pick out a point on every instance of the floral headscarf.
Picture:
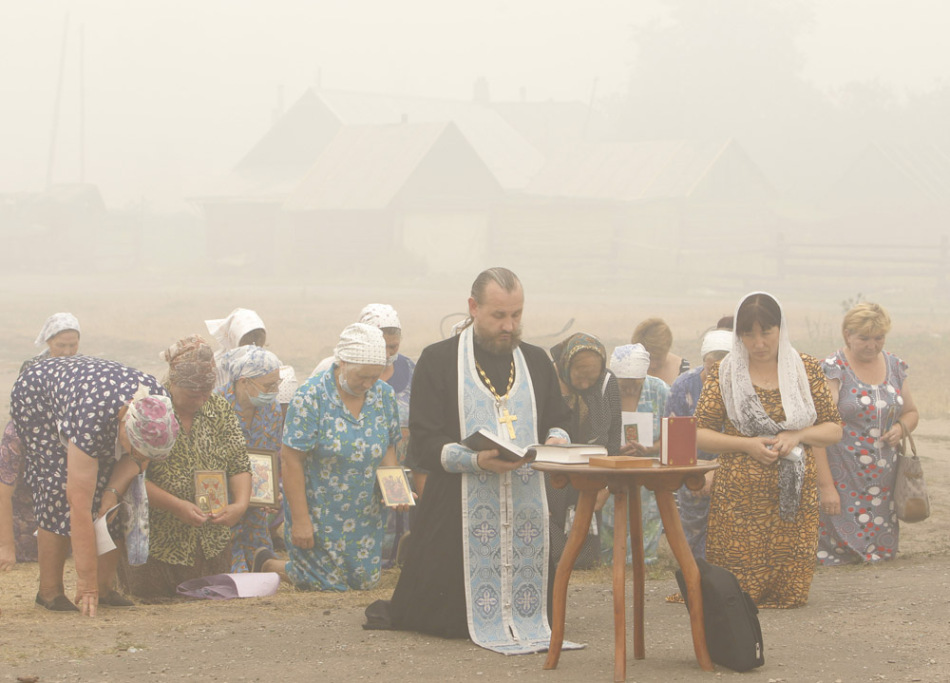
(191, 364)
(152, 426)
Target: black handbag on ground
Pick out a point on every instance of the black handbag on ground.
(733, 634)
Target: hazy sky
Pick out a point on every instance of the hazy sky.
(178, 90)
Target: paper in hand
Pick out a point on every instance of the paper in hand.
(104, 542)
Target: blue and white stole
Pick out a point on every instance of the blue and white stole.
(504, 517)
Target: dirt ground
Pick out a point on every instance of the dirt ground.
(889, 622)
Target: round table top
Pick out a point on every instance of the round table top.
(701, 466)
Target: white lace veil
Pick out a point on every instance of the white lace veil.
(742, 404)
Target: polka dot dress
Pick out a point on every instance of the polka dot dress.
(74, 398)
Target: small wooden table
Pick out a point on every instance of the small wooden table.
(624, 485)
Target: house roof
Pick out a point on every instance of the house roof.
(512, 159)
(643, 171)
(367, 167)
(288, 149)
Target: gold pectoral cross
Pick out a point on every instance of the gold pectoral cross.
(507, 419)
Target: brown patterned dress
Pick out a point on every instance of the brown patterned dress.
(774, 560)
(177, 551)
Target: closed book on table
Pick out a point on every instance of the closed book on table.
(678, 441)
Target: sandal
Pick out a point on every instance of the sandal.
(58, 604)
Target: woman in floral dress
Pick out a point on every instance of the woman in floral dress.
(341, 425)
(858, 522)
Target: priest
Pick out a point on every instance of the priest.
(477, 564)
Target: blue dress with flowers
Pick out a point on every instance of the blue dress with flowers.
(342, 454)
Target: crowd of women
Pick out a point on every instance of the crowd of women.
(96, 447)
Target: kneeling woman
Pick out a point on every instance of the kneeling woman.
(185, 541)
(341, 425)
(762, 410)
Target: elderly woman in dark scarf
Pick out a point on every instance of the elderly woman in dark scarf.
(592, 393)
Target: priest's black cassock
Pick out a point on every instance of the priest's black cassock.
(430, 596)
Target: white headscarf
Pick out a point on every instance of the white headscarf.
(742, 404)
(247, 362)
(56, 323)
(746, 412)
(380, 315)
(228, 331)
(361, 344)
(630, 361)
(716, 340)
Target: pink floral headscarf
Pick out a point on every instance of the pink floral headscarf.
(152, 426)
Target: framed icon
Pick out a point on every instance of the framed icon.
(394, 485)
(264, 477)
(211, 491)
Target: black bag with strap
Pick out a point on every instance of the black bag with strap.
(733, 634)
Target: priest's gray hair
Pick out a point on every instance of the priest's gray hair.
(502, 277)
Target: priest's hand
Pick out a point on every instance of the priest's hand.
(491, 461)
(556, 441)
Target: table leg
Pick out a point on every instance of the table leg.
(575, 541)
(619, 581)
(636, 548)
(677, 539)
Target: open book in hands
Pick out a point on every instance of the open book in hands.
(566, 454)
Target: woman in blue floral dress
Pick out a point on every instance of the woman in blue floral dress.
(858, 522)
(341, 425)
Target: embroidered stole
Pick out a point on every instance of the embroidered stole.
(504, 519)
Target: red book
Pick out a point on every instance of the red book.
(678, 441)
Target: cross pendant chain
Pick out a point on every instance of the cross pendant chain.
(501, 402)
(506, 418)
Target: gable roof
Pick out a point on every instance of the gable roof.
(369, 167)
(282, 156)
(512, 159)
